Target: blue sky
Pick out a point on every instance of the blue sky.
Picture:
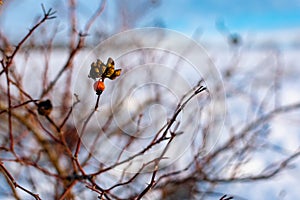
(181, 15)
(240, 15)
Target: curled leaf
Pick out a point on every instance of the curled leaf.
(100, 70)
(116, 73)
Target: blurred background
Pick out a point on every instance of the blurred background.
(265, 24)
(255, 45)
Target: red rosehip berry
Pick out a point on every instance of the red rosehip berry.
(99, 87)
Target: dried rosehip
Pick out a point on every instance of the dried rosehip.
(44, 107)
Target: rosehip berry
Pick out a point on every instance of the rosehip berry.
(44, 107)
(99, 87)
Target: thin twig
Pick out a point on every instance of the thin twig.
(47, 16)
(11, 178)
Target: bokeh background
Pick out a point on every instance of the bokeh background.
(265, 23)
(254, 44)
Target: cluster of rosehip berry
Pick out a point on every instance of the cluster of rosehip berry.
(99, 71)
